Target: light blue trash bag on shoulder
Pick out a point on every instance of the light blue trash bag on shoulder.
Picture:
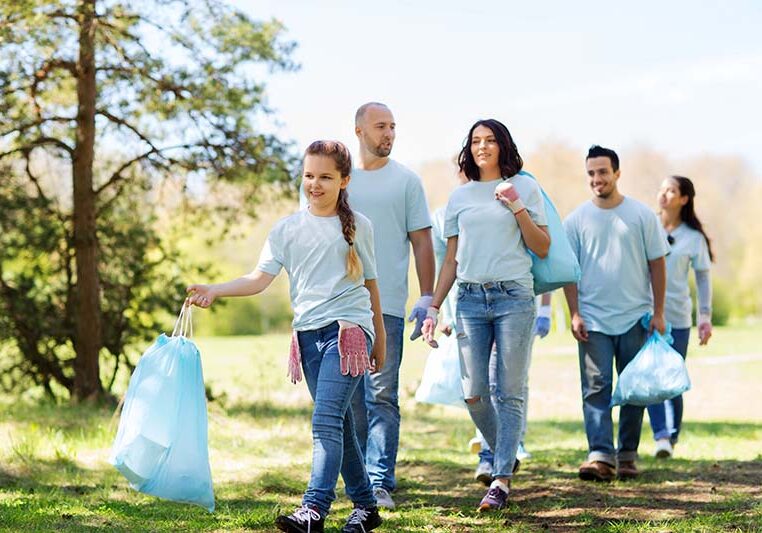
(560, 267)
(655, 374)
(161, 444)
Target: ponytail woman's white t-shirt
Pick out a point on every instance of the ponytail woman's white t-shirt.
(490, 245)
(313, 252)
(689, 249)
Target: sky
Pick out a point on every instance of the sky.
(682, 77)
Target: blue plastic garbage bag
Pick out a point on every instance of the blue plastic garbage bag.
(161, 445)
(440, 383)
(560, 267)
(655, 374)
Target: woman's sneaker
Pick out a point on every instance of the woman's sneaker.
(483, 472)
(306, 519)
(496, 498)
(383, 498)
(362, 520)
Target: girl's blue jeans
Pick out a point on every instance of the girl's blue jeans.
(334, 443)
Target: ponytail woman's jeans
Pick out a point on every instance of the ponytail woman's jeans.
(500, 312)
(334, 444)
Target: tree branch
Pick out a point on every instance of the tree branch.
(42, 74)
(40, 141)
(121, 122)
(39, 122)
(40, 193)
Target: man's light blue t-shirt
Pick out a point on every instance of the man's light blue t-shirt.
(689, 249)
(490, 245)
(313, 252)
(392, 198)
(613, 247)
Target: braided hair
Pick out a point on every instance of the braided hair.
(341, 156)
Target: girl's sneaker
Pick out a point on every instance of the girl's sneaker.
(362, 520)
(306, 519)
(496, 498)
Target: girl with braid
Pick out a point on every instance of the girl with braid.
(327, 251)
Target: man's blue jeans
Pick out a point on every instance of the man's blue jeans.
(500, 313)
(377, 411)
(334, 443)
(596, 361)
(667, 417)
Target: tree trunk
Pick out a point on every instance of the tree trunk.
(88, 341)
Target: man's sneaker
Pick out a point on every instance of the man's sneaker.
(306, 519)
(626, 470)
(362, 520)
(483, 473)
(383, 498)
(663, 449)
(522, 454)
(596, 471)
(496, 498)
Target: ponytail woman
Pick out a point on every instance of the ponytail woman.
(690, 248)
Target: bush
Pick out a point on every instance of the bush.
(244, 316)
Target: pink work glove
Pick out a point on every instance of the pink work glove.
(429, 326)
(704, 329)
(509, 196)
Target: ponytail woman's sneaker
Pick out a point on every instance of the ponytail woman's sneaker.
(362, 520)
(663, 449)
(496, 497)
(306, 519)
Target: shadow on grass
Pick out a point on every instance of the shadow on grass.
(547, 494)
(269, 410)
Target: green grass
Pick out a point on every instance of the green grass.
(54, 474)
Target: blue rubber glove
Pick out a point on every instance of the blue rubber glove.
(541, 326)
(419, 314)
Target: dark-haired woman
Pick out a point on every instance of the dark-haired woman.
(690, 248)
(490, 224)
(327, 251)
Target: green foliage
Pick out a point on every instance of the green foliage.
(179, 127)
(722, 301)
(140, 282)
(246, 316)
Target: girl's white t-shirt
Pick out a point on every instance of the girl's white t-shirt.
(313, 252)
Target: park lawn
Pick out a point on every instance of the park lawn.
(54, 474)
